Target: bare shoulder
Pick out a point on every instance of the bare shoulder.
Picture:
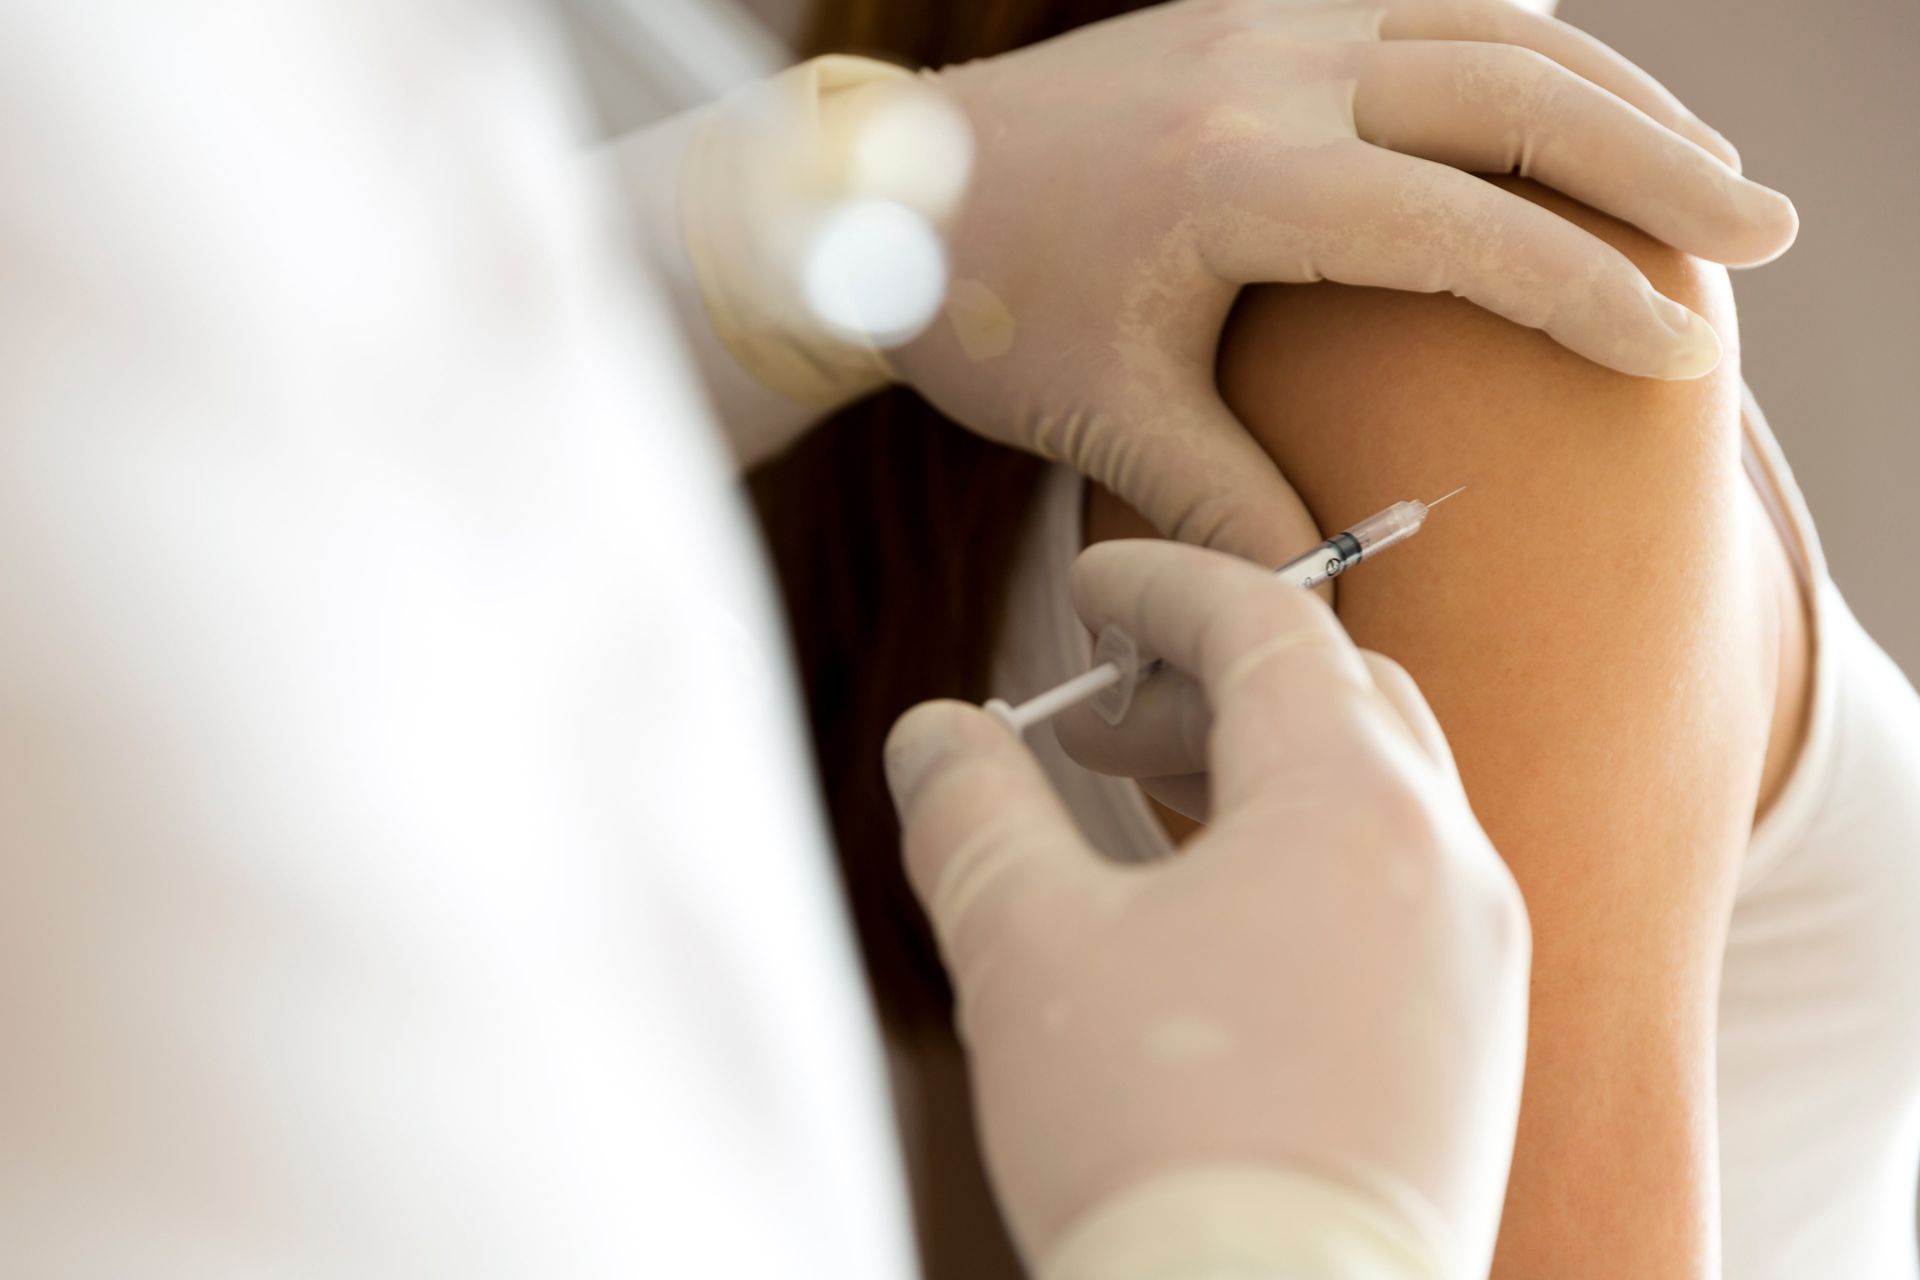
(1592, 591)
(1593, 626)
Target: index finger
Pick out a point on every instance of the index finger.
(1590, 59)
(1289, 691)
(1419, 225)
(1499, 108)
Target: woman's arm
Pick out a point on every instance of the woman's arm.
(1593, 623)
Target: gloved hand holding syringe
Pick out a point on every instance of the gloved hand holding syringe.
(1120, 666)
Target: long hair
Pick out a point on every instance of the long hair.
(893, 531)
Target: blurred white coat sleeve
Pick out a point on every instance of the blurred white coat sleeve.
(649, 165)
(734, 203)
(407, 862)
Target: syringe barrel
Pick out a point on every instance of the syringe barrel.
(1119, 666)
(1352, 545)
(1385, 528)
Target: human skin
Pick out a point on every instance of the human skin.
(1611, 636)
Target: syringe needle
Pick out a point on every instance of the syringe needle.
(1442, 498)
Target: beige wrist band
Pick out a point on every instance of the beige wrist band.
(758, 169)
(1240, 1223)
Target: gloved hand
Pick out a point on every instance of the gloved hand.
(1295, 1048)
(1161, 744)
(1132, 175)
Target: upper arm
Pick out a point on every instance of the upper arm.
(1583, 620)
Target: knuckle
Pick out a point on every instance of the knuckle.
(1474, 15)
(1177, 119)
(1388, 669)
(1503, 908)
(1523, 63)
(974, 888)
(1503, 74)
(1467, 872)
(1547, 90)
(1237, 42)
(1408, 807)
(1403, 816)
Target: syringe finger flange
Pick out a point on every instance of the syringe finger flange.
(1117, 647)
(1002, 711)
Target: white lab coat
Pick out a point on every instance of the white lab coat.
(407, 860)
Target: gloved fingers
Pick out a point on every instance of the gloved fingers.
(1501, 22)
(1418, 225)
(1162, 741)
(1498, 108)
(1164, 731)
(981, 826)
(1410, 705)
(1288, 688)
(1189, 466)
(1186, 794)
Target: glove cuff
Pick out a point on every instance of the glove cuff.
(1241, 1223)
(759, 167)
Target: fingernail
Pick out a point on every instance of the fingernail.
(921, 742)
(1764, 207)
(910, 754)
(1696, 350)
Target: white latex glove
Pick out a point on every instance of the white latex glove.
(1129, 177)
(1161, 743)
(1132, 175)
(1293, 1049)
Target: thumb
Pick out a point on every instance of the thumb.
(982, 828)
(1190, 467)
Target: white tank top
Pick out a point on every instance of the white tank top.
(1819, 1030)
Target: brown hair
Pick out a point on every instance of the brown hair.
(892, 531)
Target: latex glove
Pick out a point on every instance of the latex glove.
(1161, 744)
(1296, 1047)
(1132, 175)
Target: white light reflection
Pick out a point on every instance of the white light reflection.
(875, 268)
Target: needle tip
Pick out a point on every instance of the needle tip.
(1443, 497)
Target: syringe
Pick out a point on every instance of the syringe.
(1118, 663)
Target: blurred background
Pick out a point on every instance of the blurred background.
(1823, 100)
